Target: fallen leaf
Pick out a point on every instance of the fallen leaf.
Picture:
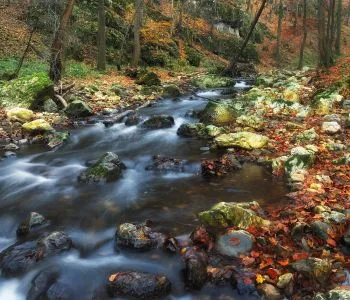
(259, 278)
(283, 262)
(331, 242)
(235, 241)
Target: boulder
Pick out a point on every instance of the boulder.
(218, 114)
(107, 169)
(37, 127)
(225, 214)
(19, 114)
(191, 130)
(269, 292)
(27, 91)
(166, 164)
(234, 242)
(300, 158)
(314, 268)
(250, 121)
(33, 220)
(244, 140)
(212, 81)
(139, 237)
(78, 109)
(23, 256)
(56, 139)
(138, 285)
(148, 79)
(196, 263)
(41, 283)
(50, 106)
(213, 131)
(331, 127)
(171, 91)
(159, 122)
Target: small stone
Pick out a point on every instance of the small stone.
(269, 292)
(234, 242)
(317, 268)
(332, 118)
(322, 208)
(320, 229)
(346, 104)
(11, 147)
(284, 280)
(334, 216)
(50, 106)
(331, 127)
(9, 154)
(33, 220)
(159, 122)
(339, 293)
(22, 141)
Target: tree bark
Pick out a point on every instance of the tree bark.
(137, 28)
(279, 33)
(57, 47)
(247, 38)
(101, 37)
(339, 23)
(303, 42)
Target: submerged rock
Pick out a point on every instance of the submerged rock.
(107, 169)
(195, 272)
(159, 122)
(78, 109)
(138, 237)
(22, 257)
(132, 120)
(37, 127)
(138, 285)
(225, 214)
(41, 283)
(33, 220)
(245, 140)
(166, 164)
(234, 242)
(19, 114)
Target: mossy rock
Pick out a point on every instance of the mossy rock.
(192, 130)
(107, 169)
(309, 135)
(37, 127)
(194, 57)
(56, 139)
(218, 114)
(213, 131)
(28, 91)
(345, 160)
(300, 158)
(159, 122)
(78, 109)
(149, 79)
(213, 81)
(250, 121)
(171, 91)
(225, 214)
(19, 114)
(244, 140)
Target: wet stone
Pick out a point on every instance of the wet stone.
(234, 242)
(195, 269)
(159, 122)
(132, 120)
(166, 164)
(41, 283)
(139, 285)
(32, 221)
(269, 292)
(320, 229)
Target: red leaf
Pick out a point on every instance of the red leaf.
(331, 242)
(283, 262)
(235, 241)
(273, 273)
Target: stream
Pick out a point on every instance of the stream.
(46, 182)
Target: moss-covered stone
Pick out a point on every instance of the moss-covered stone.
(149, 79)
(250, 121)
(56, 139)
(107, 169)
(37, 126)
(78, 109)
(225, 214)
(213, 131)
(290, 95)
(19, 114)
(28, 92)
(300, 158)
(345, 160)
(309, 135)
(314, 268)
(218, 114)
(159, 121)
(244, 140)
(212, 81)
(171, 91)
(192, 130)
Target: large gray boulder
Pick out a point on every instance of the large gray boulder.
(78, 109)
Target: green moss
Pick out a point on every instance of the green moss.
(27, 91)
(149, 79)
(37, 126)
(194, 57)
(213, 81)
(218, 114)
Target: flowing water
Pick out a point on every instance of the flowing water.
(46, 182)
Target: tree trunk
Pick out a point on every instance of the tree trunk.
(303, 42)
(247, 38)
(279, 33)
(57, 47)
(339, 23)
(137, 28)
(101, 37)
(323, 59)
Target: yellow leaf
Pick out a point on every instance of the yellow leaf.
(259, 278)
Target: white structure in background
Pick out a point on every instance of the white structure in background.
(222, 27)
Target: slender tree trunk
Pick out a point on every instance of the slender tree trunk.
(322, 34)
(137, 28)
(180, 21)
(279, 33)
(339, 24)
(57, 47)
(101, 37)
(296, 9)
(247, 38)
(303, 42)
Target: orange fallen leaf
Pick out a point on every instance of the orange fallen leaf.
(235, 241)
(112, 277)
(300, 256)
(273, 273)
(331, 242)
(283, 262)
